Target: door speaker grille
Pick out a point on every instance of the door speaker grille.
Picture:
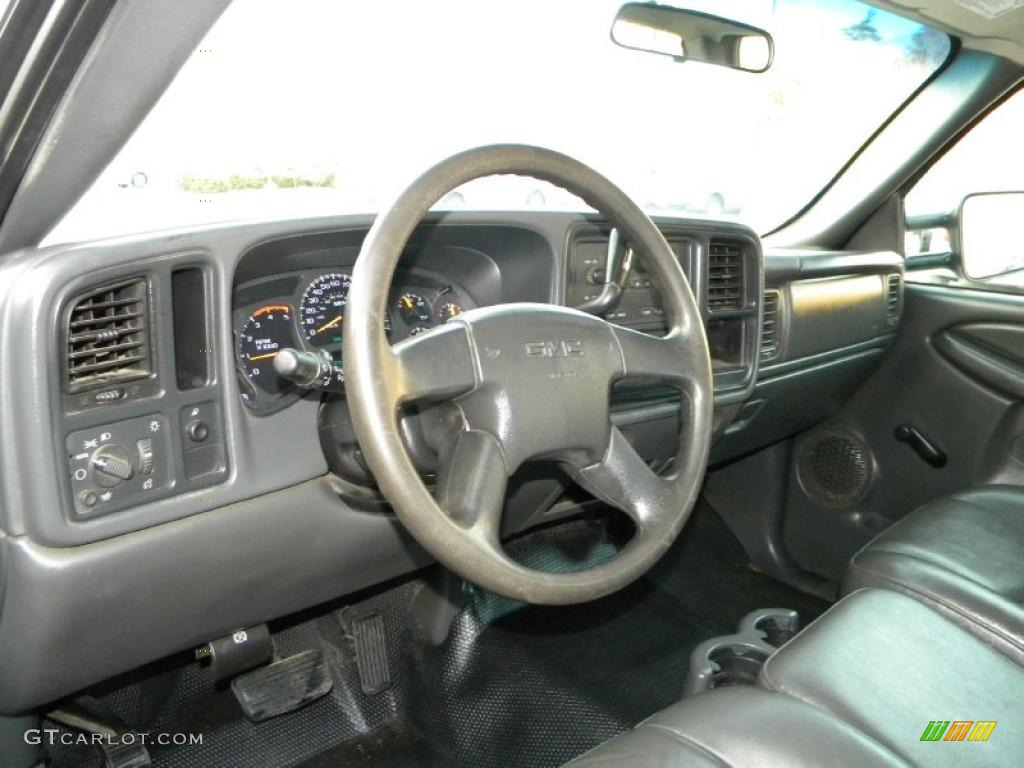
(834, 468)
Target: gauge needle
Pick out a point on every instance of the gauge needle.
(407, 302)
(264, 357)
(331, 324)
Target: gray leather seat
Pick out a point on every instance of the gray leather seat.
(739, 726)
(962, 555)
(858, 687)
(887, 665)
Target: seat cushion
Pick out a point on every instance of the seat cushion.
(739, 726)
(963, 555)
(888, 665)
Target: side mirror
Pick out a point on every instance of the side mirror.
(691, 36)
(990, 234)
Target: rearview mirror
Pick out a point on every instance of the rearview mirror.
(692, 36)
(990, 235)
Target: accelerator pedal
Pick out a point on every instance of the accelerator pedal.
(371, 653)
(283, 686)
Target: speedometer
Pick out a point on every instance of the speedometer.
(322, 311)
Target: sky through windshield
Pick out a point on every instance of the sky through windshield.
(320, 106)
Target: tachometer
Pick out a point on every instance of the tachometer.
(266, 331)
(322, 312)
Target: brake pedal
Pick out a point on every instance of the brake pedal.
(371, 653)
(283, 686)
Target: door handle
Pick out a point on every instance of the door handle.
(922, 446)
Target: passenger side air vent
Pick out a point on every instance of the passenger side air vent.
(108, 335)
(725, 276)
(893, 308)
(770, 327)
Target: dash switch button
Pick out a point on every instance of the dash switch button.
(198, 431)
(145, 451)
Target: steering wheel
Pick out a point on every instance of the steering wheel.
(527, 381)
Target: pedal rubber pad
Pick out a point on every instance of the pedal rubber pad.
(132, 755)
(283, 686)
(371, 653)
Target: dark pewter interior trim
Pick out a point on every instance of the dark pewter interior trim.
(231, 567)
(981, 359)
(267, 511)
(44, 44)
(32, 285)
(833, 355)
(783, 265)
(102, 108)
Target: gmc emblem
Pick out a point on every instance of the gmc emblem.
(562, 348)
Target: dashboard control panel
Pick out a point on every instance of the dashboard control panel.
(725, 273)
(640, 306)
(117, 465)
(142, 417)
(202, 438)
(123, 464)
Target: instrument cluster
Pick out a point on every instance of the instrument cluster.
(306, 311)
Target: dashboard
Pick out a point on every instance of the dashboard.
(450, 270)
(162, 464)
(292, 293)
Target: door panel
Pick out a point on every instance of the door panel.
(991, 354)
(956, 375)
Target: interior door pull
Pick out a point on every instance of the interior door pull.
(922, 446)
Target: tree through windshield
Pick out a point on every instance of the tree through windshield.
(318, 106)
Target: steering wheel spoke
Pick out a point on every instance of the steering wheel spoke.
(667, 359)
(472, 481)
(625, 481)
(434, 366)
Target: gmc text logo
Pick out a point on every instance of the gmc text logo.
(561, 348)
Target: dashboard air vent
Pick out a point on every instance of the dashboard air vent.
(770, 326)
(108, 335)
(892, 309)
(725, 276)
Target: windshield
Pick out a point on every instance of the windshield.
(325, 106)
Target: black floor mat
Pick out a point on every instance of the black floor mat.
(512, 686)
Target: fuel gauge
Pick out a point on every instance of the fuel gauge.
(413, 308)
